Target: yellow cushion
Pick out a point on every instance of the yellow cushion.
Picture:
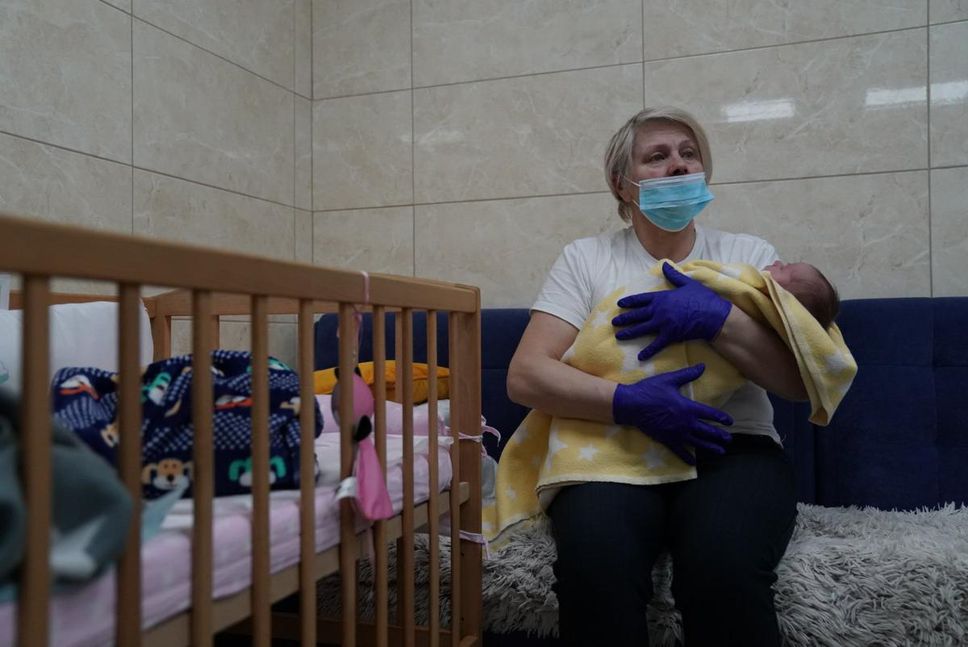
(325, 380)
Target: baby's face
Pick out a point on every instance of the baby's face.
(786, 274)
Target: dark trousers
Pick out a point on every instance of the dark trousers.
(726, 532)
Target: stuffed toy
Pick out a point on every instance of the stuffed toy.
(367, 485)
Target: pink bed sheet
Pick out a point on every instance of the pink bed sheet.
(85, 616)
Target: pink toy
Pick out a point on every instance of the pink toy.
(372, 498)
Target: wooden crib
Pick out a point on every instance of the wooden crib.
(209, 284)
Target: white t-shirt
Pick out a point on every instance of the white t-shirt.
(590, 268)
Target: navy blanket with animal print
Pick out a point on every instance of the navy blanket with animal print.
(86, 401)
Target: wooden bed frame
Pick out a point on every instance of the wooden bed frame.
(210, 283)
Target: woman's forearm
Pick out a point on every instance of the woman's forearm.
(760, 355)
(551, 386)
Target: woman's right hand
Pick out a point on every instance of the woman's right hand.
(655, 406)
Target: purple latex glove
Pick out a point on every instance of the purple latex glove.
(688, 311)
(655, 406)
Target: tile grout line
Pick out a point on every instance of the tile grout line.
(512, 197)
(642, 31)
(604, 191)
(218, 56)
(413, 168)
(295, 144)
(312, 132)
(135, 167)
(927, 68)
(131, 161)
(826, 39)
(642, 61)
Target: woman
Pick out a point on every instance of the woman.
(727, 529)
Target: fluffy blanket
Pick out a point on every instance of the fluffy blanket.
(546, 453)
(850, 577)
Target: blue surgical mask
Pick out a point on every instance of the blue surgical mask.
(671, 203)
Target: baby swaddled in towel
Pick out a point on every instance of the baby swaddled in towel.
(546, 453)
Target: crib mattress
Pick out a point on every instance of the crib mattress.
(85, 615)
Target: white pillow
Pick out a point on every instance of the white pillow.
(81, 334)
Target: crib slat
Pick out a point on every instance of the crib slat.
(380, 561)
(36, 460)
(405, 559)
(261, 619)
(307, 491)
(433, 521)
(128, 583)
(203, 482)
(347, 516)
(468, 389)
(456, 428)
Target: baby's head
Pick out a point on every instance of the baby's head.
(810, 287)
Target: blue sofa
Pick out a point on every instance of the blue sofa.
(899, 440)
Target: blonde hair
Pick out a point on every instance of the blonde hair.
(618, 155)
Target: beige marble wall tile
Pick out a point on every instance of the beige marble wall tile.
(65, 74)
(536, 135)
(173, 209)
(360, 46)
(947, 10)
(466, 40)
(809, 109)
(52, 184)
(303, 251)
(302, 39)
(123, 5)
(254, 34)
(374, 240)
(201, 118)
(867, 233)
(949, 232)
(237, 335)
(689, 27)
(303, 198)
(362, 151)
(56, 185)
(506, 247)
(949, 94)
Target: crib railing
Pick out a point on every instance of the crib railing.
(211, 284)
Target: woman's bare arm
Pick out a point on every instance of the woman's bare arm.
(760, 355)
(537, 378)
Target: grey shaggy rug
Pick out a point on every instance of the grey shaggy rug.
(850, 577)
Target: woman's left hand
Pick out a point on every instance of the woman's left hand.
(688, 311)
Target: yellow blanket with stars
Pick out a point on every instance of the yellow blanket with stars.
(546, 453)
